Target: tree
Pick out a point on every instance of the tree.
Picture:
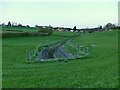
(9, 23)
(50, 26)
(3, 24)
(109, 26)
(100, 27)
(19, 24)
(68, 29)
(36, 26)
(27, 26)
(74, 29)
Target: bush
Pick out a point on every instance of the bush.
(46, 31)
(15, 34)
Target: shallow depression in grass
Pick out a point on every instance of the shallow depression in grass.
(98, 70)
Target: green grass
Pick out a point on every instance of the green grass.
(0, 63)
(64, 34)
(99, 70)
(15, 28)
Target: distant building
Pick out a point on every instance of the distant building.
(14, 24)
(90, 30)
(59, 28)
(40, 26)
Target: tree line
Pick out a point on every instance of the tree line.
(108, 26)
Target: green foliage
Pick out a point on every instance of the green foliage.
(19, 31)
(9, 23)
(16, 34)
(109, 26)
(18, 28)
(46, 31)
(99, 70)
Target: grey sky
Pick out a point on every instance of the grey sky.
(67, 14)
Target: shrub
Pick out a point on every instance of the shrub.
(15, 34)
(46, 31)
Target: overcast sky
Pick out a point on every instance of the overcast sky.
(80, 13)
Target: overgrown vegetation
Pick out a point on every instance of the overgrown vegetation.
(21, 31)
(19, 28)
(45, 31)
(16, 34)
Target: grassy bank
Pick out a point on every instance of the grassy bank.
(100, 69)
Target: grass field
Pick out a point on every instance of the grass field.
(0, 63)
(18, 28)
(99, 70)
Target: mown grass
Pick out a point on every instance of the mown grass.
(0, 63)
(99, 70)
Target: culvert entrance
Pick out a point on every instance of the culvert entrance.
(55, 51)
